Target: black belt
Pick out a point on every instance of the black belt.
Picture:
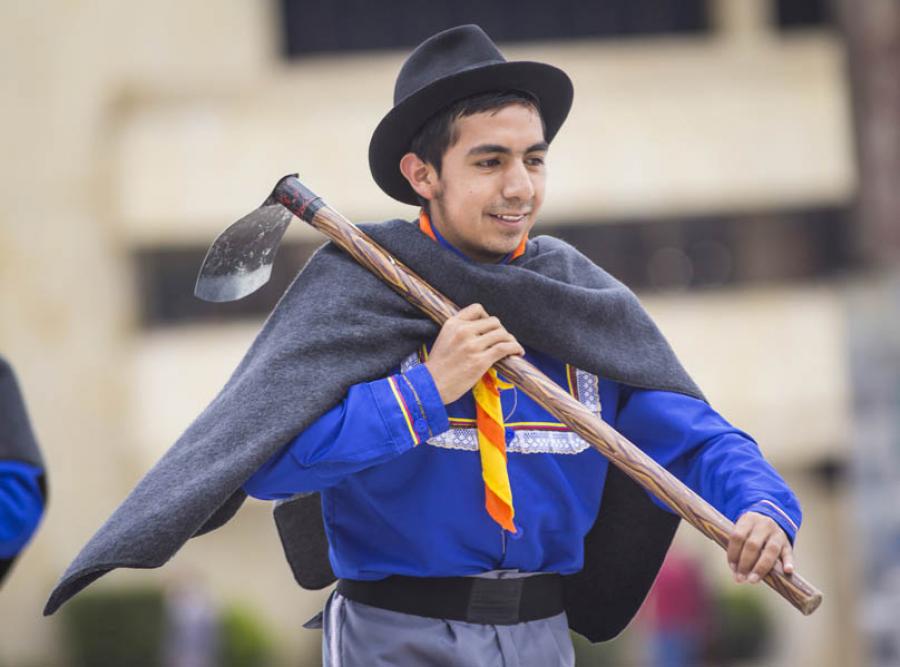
(470, 599)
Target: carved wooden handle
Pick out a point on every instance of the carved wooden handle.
(618, 449)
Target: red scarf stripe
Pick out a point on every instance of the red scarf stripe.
(498, 510)
(492, 430)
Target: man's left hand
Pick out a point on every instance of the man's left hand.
(755, 544)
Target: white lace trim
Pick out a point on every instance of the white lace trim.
(525, 441)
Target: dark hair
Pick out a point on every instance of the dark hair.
(439, 132)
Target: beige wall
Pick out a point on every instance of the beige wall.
(129, 124)
(683, 126)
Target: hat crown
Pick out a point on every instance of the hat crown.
(448, 67)
(445, 54)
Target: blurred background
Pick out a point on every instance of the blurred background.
(736, 162)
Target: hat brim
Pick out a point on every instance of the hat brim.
(392, 137)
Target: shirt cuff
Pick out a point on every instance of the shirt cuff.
(432, 409)
(778, 515)
(411, 406)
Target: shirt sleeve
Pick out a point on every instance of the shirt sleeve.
(375, 422)
(21, 505)
(720, 462)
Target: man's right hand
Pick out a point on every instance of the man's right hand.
(468, 344)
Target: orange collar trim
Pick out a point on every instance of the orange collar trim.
(425, 225)
(425, 228)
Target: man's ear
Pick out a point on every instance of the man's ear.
(421, 175)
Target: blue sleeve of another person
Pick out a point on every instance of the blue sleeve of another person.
(375, 422)
(21, 505)
(720, 462)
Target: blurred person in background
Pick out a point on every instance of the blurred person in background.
(191, 636)
(22, 477)
(678, 612)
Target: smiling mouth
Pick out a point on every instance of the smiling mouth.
(506, 217)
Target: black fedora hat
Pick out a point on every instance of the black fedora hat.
(447, 67)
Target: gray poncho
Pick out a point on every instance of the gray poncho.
(338, 325)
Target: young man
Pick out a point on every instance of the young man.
(467, 527)
(447, 552)
(22, 485)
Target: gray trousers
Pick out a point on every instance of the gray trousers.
(357, 635)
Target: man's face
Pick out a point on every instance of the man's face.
(491, 184)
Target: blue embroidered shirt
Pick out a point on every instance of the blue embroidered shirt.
(400, 473)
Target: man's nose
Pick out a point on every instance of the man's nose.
(517, 184)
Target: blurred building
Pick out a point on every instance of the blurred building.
(708, 162)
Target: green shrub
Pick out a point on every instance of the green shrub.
(244, 641)
(742, 627)
(115, 627)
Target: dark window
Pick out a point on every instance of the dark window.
(716, 251)
(315, 26)
(648, 255)
(166, 277)
(794, 14)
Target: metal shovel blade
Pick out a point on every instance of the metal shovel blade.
(239, 261)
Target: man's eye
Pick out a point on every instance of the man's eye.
(490, 162)
(535, 161)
